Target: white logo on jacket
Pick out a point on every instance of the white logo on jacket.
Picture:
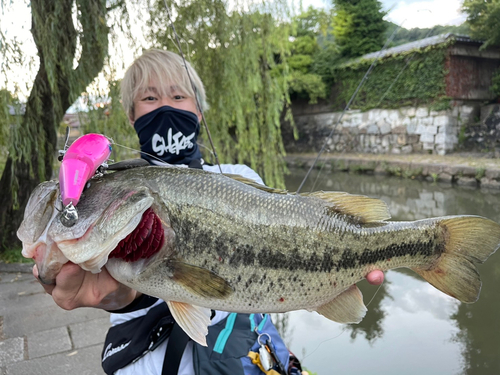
(175, 143)
(111, 351)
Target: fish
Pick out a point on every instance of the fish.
(202, 240)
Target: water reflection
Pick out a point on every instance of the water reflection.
(410, 327)
(371, 325)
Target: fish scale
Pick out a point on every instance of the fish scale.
(232, 245)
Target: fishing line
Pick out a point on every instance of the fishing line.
(207, 148)
(138, 151)
(365, 77)
(198, 104)
(344, 328)
(317, 177)
(373, 297)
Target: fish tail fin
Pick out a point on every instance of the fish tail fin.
(467, 240)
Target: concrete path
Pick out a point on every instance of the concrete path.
(38, 337)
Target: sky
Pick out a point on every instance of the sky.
(415, 13)
(406, 13)
(424, 13)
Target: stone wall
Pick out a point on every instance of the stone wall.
(396, 131)
(484, 135)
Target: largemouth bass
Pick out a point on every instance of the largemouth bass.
(202, 241)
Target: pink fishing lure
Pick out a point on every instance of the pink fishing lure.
(80, 163)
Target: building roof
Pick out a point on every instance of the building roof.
(419, 44)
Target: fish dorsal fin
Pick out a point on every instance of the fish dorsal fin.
(254, 184)
(347, 307)
(364, 208)
(194, 320)
(127, 164)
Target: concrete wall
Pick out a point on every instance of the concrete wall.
(397, 131)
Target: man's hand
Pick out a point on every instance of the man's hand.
(76, 287)
(375, 277)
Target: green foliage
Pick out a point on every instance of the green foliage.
(242, 59)
(404, 172)
(462, 137)
(10, 116)
(483, 17)
(480, 173)
(309, 86)
(421, 82)
(13, 256)
(440, 104)
(495, 83)
(358, 26)
(7, 102)
(326, 61)
(303, 81)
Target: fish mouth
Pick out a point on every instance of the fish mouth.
(144, 241)
(48, 259)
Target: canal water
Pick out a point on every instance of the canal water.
(410, 327)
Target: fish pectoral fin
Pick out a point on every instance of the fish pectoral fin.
(194, 320)
(365, 209)
(347, 307)
(199, 281)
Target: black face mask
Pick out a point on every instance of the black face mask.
(168, 134)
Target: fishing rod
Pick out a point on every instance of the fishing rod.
(365, 77)
(198, 104)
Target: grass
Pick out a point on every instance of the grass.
(480, 172)
(13, 256)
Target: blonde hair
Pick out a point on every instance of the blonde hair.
(166, 69)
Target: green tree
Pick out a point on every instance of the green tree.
(483, 16)
(358, 26)
(241, 56)
(310, 25)
(8, 106)
(58, 83)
